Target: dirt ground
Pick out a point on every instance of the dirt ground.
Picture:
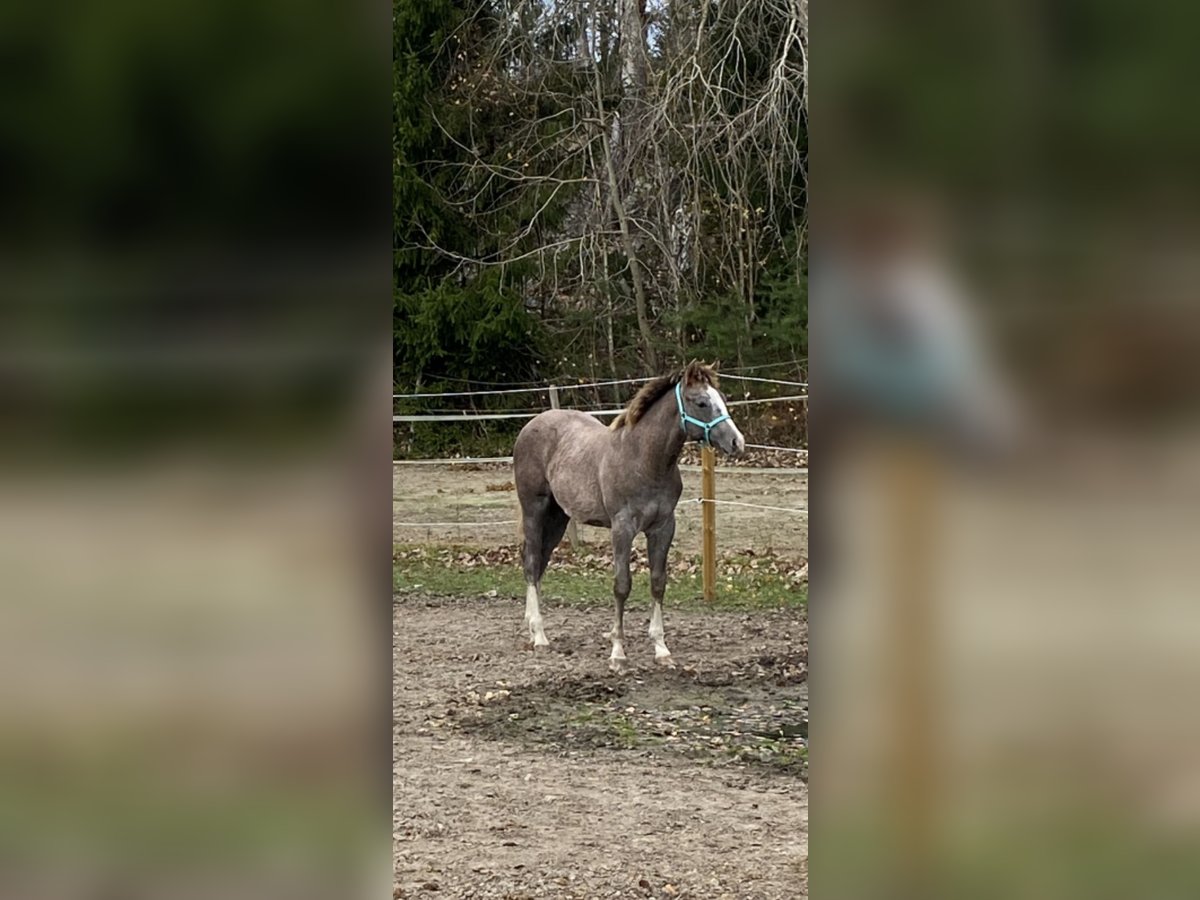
(523, 775)
(473, 494)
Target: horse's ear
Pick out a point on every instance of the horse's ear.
(698, 373)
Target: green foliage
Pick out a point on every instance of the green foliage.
(420, 30)
(479, 331)
(781, 330)
(447, 323)
(717, 328)
(773, 327)
(450, 334)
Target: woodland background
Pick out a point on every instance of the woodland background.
(595, 190)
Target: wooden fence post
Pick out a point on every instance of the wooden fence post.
(708, 492)
(910, 488)
(572, 531)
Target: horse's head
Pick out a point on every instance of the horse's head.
(703, 413)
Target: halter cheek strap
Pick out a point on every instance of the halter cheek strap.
(684, 418)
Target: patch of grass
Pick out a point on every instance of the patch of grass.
(593, 727)
(440, 573)
(778, 755)
(625, 733)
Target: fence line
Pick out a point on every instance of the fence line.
(581, 386)
(462, 411)
(592, 384)
(747, 402)
(686, 467)
(523, 390)
(488, 383)
(729, 403)
(505, 384)
(803, 384)
(751, 470)
(459, 413)
(448, 524)
(768, 400)
(427, 394)
(464, 417)
(787, 509)
(451, 461)
(783, 449)
(795, 364)
(477, 417)
(480, 417)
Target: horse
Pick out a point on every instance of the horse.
(624, 477)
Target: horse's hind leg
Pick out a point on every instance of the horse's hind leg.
(554, 526)
(544, 523)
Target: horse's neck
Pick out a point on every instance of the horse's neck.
(657, 440)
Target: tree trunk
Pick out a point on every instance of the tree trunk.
(584, 51)
(635, 264)
(621, 178)
(616, 144)
(633, 47)
(608, 333)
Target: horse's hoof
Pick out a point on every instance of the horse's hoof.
(618, 666)
(667, 662)
(540, 648)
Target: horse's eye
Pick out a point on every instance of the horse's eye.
(702, 402)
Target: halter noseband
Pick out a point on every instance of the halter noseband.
(684, 418)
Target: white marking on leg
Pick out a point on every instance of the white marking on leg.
(617, 660)
(656, 633)
(533, 617)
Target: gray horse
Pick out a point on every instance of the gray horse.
(624, 477)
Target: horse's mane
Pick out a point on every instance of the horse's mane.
(652, 390)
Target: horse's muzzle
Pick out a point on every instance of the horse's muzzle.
(735, 447)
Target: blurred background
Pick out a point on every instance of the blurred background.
(1004, 630)
(194, 273)
(195, 226)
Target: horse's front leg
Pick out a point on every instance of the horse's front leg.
(658, 546)
(622, 543)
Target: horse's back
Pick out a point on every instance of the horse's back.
(548, 432)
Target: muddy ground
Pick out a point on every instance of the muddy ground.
(473, 494)
(522, 775)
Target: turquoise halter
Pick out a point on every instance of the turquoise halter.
(684, 418)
